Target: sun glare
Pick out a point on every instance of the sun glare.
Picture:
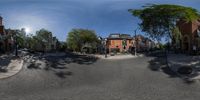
(27, 30)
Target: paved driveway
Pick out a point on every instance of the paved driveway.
(130, 79)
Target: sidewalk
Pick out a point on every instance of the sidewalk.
(176, 61)
(119, 56)
(9, 66)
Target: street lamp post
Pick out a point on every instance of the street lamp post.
(105, 42)
(135, 43)
(100, 46)
(16, 45)
(45, 46)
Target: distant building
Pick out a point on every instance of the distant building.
(190, 35)
(119, 42)
(6, 40)
(124, 43)
(142, 43)
(2, 33)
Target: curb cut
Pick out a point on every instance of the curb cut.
(12, 72)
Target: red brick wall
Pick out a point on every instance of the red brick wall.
(1, 29)
(184, 27)
(113, 43)
(189, 29)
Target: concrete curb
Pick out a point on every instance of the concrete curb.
(118, 57)
(12, 69)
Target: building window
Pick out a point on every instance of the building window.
(112, 42)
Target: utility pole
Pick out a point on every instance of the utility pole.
(135, 43)
(16, 46)
(105, 47)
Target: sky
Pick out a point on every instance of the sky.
(60, 16)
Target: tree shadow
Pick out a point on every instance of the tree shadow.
(34, 65)
(81, 59)
(159, 63)
(4, 62)
(63, 74)
(189, 82)
(56, 63)
(57, 68)
(70, 58)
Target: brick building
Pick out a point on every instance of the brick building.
(6, 40)
(190, 35)
(124, 43)
(142, 43)
(119, 42)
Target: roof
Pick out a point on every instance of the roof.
(182, 22)
(119, 36)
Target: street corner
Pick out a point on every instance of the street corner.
(12, 68)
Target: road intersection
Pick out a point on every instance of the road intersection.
(75, 77)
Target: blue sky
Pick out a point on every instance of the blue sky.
(60, 16)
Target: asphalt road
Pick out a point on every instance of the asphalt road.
(83, 78)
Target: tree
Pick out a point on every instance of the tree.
(79, 38)
(44, 39)
(41, 41)
(176, 37)
(44, 35)
(21, 37)
(62, 46)
(159, 20)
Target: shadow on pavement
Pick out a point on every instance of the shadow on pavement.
(63, 74)
(4, 62)
(71, 58)
(34, 66)
(159, 63)
(57, 64)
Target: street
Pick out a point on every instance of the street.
(84, 78)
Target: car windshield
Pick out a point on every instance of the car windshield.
(99, 49)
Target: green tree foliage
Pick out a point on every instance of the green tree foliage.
(43, 35)
(159, 20)
(21, 38)
(62, 46)
(78, 38)
(41, 41)
(176, 36)
(18, 35)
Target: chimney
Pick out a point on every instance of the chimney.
(1, 21)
